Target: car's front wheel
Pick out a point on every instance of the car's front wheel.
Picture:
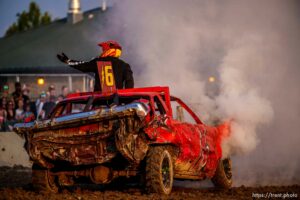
(42, 180)
(223, 175)
(159, 170)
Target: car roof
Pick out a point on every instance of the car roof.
(147, 91)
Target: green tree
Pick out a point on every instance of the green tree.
(29, 19)
(46, 19)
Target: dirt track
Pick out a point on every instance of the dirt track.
(15, 184)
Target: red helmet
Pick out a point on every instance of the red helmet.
(110, 45)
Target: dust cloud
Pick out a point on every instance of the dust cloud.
(251, 48)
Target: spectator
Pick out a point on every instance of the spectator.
(4, 102)
(5, 93)
(19, 115)
(48, 106)
(32, 107)
(12, 100)
(39, 105)
(26, 90)
(28, 115)
(10, 110)
(60, 98)
(51, 92)
(3, 115)
(64, 91)
(10, 114)
(17, 94)
(77, 91)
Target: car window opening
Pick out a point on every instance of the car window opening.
(159, 108)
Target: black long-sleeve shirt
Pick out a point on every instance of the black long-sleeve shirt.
(122, 71)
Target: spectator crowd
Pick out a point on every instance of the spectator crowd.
(19, 107)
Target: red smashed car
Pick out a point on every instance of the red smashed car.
(131, 132)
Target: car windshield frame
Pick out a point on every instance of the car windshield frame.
(61, 106)
(184, 106)
(118, 99)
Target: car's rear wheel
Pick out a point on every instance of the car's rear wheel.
(42, 180)
(223, 176)
(159, 170)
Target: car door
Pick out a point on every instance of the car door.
(191, 137)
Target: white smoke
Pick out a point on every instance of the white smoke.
(241, 101)
(251, 47)
(176, 41)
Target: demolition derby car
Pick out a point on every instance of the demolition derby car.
(131, 132)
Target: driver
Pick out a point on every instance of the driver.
(119, 74)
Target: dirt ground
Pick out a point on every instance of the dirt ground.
(15, 183)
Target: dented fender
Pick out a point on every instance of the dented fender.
(160, 131)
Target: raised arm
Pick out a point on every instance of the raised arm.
(84, 66)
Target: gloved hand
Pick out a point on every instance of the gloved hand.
(63, 58)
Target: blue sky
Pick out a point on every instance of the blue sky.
(57, 9)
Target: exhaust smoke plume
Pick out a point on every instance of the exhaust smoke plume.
(239, 99)
(251, 47)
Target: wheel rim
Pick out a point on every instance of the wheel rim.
(227, 168)
(166, 172)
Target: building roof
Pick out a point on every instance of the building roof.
(5, 71)
(35, 50)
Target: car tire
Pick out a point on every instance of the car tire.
(223, 175)
(159, 171)
(42, 180)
